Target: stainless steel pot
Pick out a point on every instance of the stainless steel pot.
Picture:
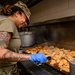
(72, 67)
(27, 39)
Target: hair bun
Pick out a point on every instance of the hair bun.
(7, 10)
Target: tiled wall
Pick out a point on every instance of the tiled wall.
(52, 9)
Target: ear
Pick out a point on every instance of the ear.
(17, 14)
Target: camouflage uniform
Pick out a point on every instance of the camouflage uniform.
(8, 26)
(10, 68)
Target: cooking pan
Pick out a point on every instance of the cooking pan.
(55, 67)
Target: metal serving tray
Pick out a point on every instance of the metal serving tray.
(56, 68)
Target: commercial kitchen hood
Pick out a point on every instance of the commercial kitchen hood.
(29, 3)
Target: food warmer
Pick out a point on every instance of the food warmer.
(58, 35)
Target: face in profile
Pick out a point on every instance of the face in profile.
(20, 19)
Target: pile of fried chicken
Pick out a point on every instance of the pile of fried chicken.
(60, 57)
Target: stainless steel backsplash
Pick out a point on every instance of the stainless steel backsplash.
(57, 34)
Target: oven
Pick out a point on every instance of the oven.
(58, 33)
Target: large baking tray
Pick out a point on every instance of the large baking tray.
(54, 67)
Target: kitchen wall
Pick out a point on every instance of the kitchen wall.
(52, 9)
(58, 34)
(62, 34)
